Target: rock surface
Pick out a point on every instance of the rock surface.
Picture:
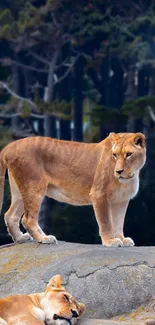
(110, 281)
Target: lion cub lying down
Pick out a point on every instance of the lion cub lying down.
(55, 306)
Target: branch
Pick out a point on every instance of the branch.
(3, 115)
(67, 71)
(55, 21)
(4, 108)
(3, 105)
(136, 7)
(80, 53)
(61, 64)
(126, 31)
(151, 113)
(143, 63)
(28, 67)
(37, 116)
(65, 75)
(66, 38)
(39, 58)
(12, 93)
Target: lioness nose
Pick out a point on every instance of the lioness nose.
(74, 313)
(120, 171)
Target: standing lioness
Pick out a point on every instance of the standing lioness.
(105, 175)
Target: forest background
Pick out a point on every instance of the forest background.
(77, 70)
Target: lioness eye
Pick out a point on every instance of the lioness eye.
(128, 154)
(66, 297)
(114, 155)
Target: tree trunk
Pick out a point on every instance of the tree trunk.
(65, 92)
(50, 126)
(50, 79)
(16, 81)
(78, 100)
(15, 122)
(131, 94)
(105, 99)
(65, 129)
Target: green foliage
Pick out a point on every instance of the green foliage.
(89, 90)
(127, 37)
(5, 136)
(107, 116)
(60, 108)
(29, 17)
(6, 17)
(138, 107)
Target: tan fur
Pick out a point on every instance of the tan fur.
(76, 173)
(37, 308)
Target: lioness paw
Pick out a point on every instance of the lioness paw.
(48, 240)
(23, 238)
(116, 242)
(128, 241)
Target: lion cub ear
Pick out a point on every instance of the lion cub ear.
(55, 283)
(139, 140)
(82, 309)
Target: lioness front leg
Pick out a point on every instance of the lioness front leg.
(104, 220)
(118, 211)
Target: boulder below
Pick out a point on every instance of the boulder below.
(110, 281)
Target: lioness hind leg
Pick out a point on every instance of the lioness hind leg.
(118, 211)
(33, 197)
(12, 219)
(14, 214)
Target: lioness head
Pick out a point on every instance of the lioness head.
(129, 154)
(59, 306)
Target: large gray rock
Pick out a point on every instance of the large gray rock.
(110, 281)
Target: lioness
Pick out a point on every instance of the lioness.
(105, 175)
(55, 306)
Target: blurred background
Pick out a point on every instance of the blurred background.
(77, 70)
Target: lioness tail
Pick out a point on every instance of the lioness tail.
(2, 180)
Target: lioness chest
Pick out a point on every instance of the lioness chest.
(125, 191)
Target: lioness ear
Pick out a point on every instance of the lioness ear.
(139, 140)
(112, 136)
(82, 309)
(55, 283)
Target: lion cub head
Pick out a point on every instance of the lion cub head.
(59, 306)
(128, 153)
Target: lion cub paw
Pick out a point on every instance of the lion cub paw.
(116, 242)
(23, 238)
(128, 242)
(48, 240)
